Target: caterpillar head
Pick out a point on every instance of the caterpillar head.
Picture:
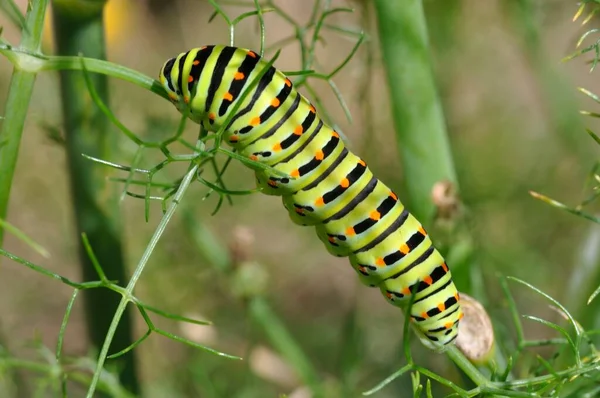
(167, 79)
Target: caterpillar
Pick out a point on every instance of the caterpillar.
(321, 183)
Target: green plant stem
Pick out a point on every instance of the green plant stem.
(417, 112)
(128, 293)
(24, 238)
(95, 205)
(17, 104)
(466, 366)
(35, 62)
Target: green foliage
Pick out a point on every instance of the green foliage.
(588, 9)
(197, 160)
(570, 361)
(584, 6)
(19, 96)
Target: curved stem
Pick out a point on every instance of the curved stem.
(466, 366)
(34, 62)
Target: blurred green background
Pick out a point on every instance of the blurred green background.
(511, 109)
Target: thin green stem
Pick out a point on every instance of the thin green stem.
(24, 238)
(35, 62)
(17, 105)
(466, 366)
(185, 183)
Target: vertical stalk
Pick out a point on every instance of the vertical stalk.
(79, 30)
(17, 104)
(416, 108)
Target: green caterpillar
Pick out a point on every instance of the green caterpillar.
(355, 215)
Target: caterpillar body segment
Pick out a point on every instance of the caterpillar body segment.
(355, 215)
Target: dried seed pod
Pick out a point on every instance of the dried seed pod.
(445, 199)
(475, 332)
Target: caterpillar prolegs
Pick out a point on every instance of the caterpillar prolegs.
(330, 188)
